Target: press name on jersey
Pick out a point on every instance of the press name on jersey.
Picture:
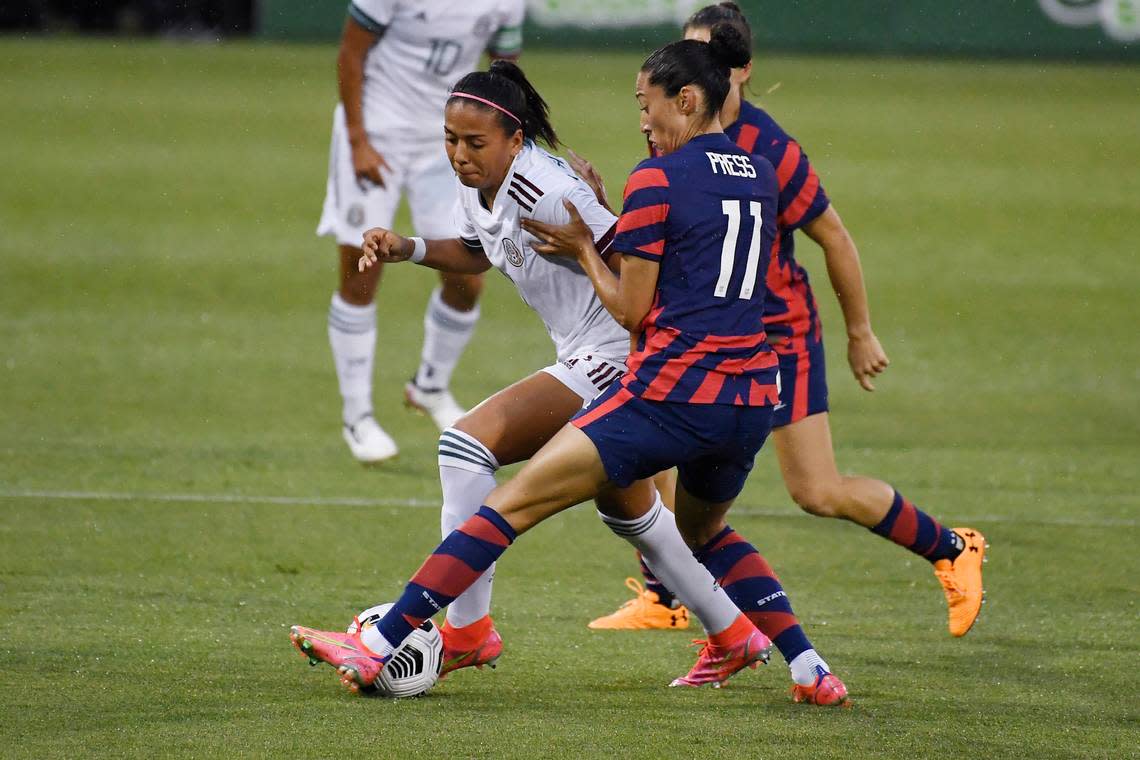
(733, 165)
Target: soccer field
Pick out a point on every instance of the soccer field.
(174, 491)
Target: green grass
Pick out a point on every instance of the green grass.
(162, 332)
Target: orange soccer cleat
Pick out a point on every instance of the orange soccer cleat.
(961, 580)
(471, 646)
(643, 612)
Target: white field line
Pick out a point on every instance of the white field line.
(349, 501)
(217, 498)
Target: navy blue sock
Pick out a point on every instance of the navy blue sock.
(917, 531)
(664, 595)
(752, 585)
(450, 570)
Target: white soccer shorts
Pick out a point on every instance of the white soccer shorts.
(423, 172)
(587, 375)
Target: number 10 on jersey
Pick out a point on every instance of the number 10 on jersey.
(731, 209)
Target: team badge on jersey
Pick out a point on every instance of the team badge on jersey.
(514, 255)
(355, 216)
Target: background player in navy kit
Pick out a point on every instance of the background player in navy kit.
(800, 427)
(702, 383)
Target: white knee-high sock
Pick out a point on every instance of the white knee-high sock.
(807, 666)
(352, 335)
(467, 474)
(446, 333)
(655, 535)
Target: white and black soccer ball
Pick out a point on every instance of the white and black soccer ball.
(414, 667)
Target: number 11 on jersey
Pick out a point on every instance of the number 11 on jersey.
(731, 209)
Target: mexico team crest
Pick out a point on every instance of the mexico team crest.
(355, 216)
(514, 255)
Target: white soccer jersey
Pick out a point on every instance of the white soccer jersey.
(425, 47)
(554, 286)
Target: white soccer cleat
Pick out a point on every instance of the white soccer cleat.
(368, 442)
(440, 405)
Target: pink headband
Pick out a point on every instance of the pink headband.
(496, 106)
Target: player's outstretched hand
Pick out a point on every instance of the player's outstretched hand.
(867, 358)
(590, 176)
(367, 163)
(384, 246)
(573, 239)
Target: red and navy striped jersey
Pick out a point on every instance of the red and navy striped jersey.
(707, 214)
(790, 313)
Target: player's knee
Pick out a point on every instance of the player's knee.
(461, 292)
(358, 288)
(819, 499)
(463, 425)
(461, 446)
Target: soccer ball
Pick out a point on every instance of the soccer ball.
(414, 667)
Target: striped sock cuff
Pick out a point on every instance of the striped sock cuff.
(347, 318)
(448, 318)
(634, 528)
(500, 524)
(464, 452)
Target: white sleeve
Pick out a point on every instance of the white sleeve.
(602, 222)
(373, 15)
(515, 13)
(507, 40)
(464, 227)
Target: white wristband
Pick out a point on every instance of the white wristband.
(419, 250)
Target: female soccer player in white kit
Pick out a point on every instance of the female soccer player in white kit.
(396, 64)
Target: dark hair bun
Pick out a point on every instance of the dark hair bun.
(729, 47)
(507, 69)
(731, 6)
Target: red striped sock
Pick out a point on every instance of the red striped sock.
(911, 528)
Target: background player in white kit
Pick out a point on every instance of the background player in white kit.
(396, 64)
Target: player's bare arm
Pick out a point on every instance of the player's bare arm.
(627, 298)
(865, 354)
(447, 255)
(355, 43)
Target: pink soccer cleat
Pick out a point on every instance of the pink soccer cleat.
(827, 691)
(471, 646)
(716, 664)
(357, 664)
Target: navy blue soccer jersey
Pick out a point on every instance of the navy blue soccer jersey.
(707, 214)
(791, 316)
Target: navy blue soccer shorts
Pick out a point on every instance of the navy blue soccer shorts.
(803, 384)
(712, 446)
